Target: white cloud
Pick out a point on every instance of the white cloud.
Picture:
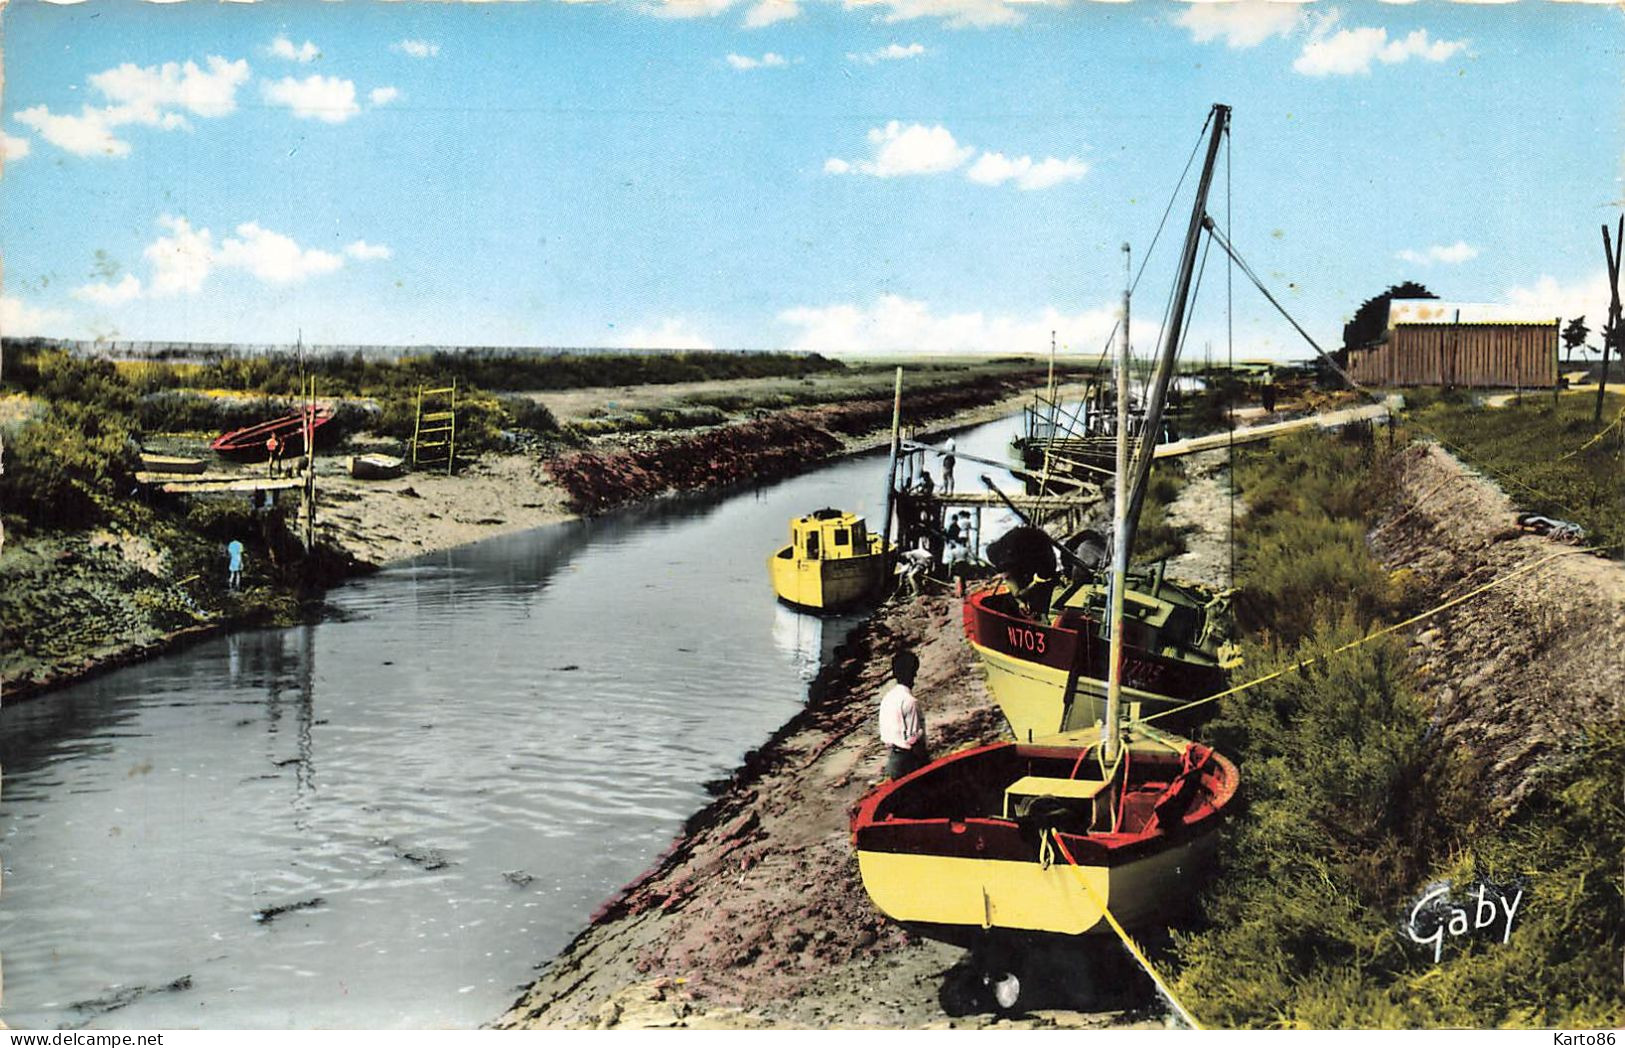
(992, 169)
(363, 250)
(12, 147)
(88, 134)
(768, 12)
(417, 48)
(957, 14)
(152, 96)
(912, 149)
(767, 61)
(211, 93)
(181, 261)
(273, 257)
(19, 319)
(674, 333)
(326, 98)
(282, 47)
(1349, 51)
(688, 8)
(381, 96)
(1449, 254)
(1587, 297)
(897, 324)
(889, 53)
(1241, 23)
(184, 257)
(109, 295)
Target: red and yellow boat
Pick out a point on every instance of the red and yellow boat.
(1039, 837)
(1048, 674)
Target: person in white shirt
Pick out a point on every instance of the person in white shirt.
(902, 729)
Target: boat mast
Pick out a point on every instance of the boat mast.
(1109, 741)
(1172, 334)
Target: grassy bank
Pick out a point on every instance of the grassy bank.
(1536, 450)
(1353, 808)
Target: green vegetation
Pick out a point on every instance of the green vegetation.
(1352, 807)
(1157, 539)
(357, 375)
(1526, 448)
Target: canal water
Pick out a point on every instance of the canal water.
(389, 818)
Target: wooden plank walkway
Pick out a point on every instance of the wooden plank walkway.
(1270, 430)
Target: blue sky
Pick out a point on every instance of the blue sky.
(913, 175)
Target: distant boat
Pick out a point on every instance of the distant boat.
(832, 562)
(248, 444)
(375, 467)
(152, 463)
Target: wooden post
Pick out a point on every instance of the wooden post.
(1611, 333)
(891, 465)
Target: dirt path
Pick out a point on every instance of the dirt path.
(1518, 673)
(1203, 507)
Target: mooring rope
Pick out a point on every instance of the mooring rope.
(1128, 940)
(1452, 602)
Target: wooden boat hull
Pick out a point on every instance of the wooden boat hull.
(937, 854)
(826, 585)
(375, 467)
(248, 444)
(1048, 678)
(151, 463)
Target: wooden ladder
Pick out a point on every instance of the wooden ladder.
(434, 437)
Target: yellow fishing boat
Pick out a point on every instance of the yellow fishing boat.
(1044, 837)
(832, 562)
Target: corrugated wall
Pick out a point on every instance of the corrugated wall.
(1467, 355)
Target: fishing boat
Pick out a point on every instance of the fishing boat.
(831, 563)
(248, 444)
(155, 463)
(1048, 673)
(1043, 837)
(1105, 827)
(375, 466)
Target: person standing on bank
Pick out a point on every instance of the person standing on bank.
(902, 729)
(234, 565)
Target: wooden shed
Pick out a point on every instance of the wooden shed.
(1473, 345)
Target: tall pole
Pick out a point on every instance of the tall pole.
(1611, 333)
(1109, 742)
(891, 464)
(1173, 333)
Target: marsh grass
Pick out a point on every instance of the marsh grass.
(1352, 804)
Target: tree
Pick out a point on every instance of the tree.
(1574, 336)
(1371, 319)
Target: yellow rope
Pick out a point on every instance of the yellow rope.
(1128, 940)
(1452, 602)
(1619, 418)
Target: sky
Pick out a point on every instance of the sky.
(867, 176)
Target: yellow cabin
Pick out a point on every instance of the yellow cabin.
(832, 562)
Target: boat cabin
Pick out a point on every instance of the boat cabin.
(829, 534)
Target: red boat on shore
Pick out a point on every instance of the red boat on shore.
(248, 444)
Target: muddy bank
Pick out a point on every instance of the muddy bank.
(760, 449)
(757, 916)
(1518, 673)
